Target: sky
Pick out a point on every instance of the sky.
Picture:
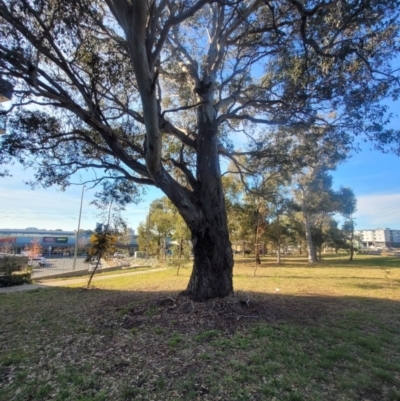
(375, 179)
(373, 176)
(50, 208)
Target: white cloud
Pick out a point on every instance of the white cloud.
(378, 210)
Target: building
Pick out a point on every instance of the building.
(53, 242)
(395, 238)
(379, 238)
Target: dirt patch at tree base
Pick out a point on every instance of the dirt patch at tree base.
(180, 314)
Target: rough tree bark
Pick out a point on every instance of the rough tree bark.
(213, 257)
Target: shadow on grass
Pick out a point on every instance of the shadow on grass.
(232, 311)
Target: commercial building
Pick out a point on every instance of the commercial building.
(53, 242)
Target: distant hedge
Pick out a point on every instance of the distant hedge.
(15, 279)
(10, 268)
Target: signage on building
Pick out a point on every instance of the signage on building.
(55, 240)
(7, 240)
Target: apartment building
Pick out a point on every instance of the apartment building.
(379, 237)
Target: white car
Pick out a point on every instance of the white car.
(93, 264)
(38, 261)
(119, 255)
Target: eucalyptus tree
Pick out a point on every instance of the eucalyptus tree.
(151, 92)
(279, 231)
(159, 225)
(319, 202)
(350, 238)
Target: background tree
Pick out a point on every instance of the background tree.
(104, 242)
(34, 249)
(234, 192)
(148, 92)
(161, 223)
(124, 239)
(82, 243)
(105, 238)
(279, 232)
(147, 240)
(7, 246)
(318, 202)
(332, 235)
(181, 234)
(348, 231)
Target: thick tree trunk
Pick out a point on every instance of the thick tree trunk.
(312, 257)
(213, 257)
(213, 263)
(278, 255)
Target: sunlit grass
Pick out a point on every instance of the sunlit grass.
(367, 277)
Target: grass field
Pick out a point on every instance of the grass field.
(293, 332)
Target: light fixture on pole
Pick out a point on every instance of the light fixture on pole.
(77, 231)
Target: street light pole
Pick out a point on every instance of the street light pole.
(77, 232)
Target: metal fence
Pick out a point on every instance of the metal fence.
(55, 267)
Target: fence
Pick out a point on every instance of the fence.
(60, 267)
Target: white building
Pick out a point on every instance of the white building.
(379, 237)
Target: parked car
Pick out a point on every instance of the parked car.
(38, 261)
(93, 264)
(119, 255)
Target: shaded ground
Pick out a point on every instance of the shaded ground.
(227, 314)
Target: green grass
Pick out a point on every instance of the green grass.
(332, 332)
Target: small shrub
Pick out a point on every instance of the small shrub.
(179, 259)
(8, 266)
(11, 264)
(15, 279)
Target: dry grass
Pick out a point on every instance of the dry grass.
(335, 276)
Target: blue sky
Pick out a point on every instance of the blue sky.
(373, 176)
(22, 207)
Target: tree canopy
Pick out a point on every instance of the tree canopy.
(154, 92)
